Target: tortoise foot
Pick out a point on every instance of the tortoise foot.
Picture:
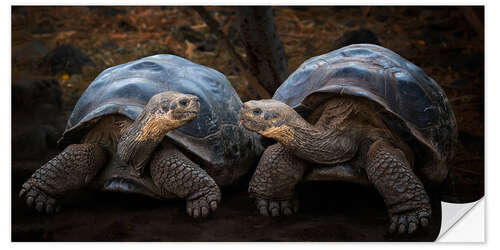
(38, 199)
(204, 204)
(409, 222)
(269, 207)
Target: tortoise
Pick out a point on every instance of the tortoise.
(160, 126)
(359, 114)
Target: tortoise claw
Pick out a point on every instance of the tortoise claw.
(409, 222)
(22, 192)
(412, 227)
(275, 208)
(42, 202)
(424, 222)
(202, 206)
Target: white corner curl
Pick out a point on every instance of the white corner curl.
(462, 222)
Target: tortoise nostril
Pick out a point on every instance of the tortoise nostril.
(184, 102)
(257, 111)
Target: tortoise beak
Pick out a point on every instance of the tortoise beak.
(247, 120)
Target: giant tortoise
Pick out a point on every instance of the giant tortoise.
(161, 126)
(359, 114)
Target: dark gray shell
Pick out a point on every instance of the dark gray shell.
(215, 136)
(415, 106)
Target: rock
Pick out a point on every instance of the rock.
(35, 142)
(36, 117)
(39, 97)
(30, 53)
(66, 59)
(356, 36)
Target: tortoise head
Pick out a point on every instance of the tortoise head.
(269, 118)
(167, 110)
(164, 112)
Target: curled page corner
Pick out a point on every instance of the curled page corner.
(452, 214)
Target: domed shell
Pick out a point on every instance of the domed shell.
(215, 135)
(414, 105)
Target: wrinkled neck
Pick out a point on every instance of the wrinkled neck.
(139, 140)
(324, 146)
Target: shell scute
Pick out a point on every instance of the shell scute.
(125, 89)
(416, 106)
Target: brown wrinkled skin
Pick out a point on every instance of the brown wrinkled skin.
(105, 152)
(72, 169)
(173, 172)
(403, 193)
(346, 130)
(278, 172)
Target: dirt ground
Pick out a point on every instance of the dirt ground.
(444, 41)
(329, 212)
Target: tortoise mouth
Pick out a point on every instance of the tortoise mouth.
(184, 115)
(252, 125)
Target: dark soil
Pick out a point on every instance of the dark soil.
(329, 212)
(440, 40)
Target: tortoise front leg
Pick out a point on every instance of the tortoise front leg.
(404, 195)
(70, 170)
(274, 181)
(174, 173)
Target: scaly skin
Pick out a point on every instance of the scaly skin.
(348, 129)
(274, 180)
(174, 173)
(133, 143)
(71, 170)
(404, 195)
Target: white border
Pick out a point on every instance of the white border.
(491, 54)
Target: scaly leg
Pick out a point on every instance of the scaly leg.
(404, 195)
(274, 180)
(72, 169)
(174, 173)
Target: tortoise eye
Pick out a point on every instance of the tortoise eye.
(257, 111)
(184, 102)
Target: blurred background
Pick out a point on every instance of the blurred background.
(58, 51)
